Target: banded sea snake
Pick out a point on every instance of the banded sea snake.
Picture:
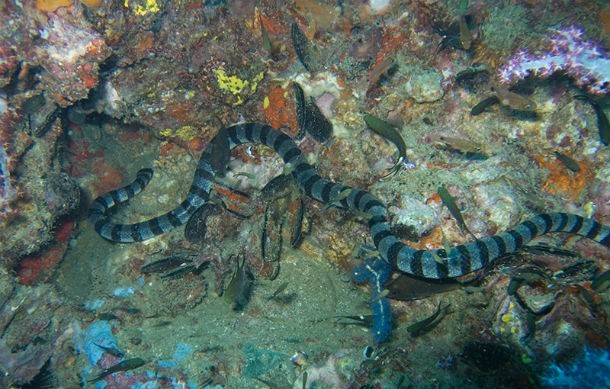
(433, 264)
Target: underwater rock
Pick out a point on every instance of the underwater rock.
(537, 299)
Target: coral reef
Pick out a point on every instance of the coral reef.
(8, 193)
(35, 331)
(568, 52)
(92, 91)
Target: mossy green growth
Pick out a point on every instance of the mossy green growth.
(504, 25)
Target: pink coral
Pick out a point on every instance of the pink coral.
(567, 52)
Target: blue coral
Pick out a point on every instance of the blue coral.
(590, 370)
(377, 272)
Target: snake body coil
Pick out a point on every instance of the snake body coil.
(434, 264)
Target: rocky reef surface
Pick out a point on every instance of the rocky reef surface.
(93, 91)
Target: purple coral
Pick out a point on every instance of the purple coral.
(567, 52)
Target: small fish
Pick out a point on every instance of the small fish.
(359, 320)
(310, 118)
(218, 153)
(272, 241)
(301, 111)
(107, 316)
(296, 233)
(196, 227)
(465, 33)
(602, 120)
(449, 202)
(514, 100)
(279, 290)
(115, 352)
(301, 46)
(240, 286)
(376, 72)
(279, 186)
(387, 131)
(336, 199)
(482, 105)
(361, 214)
(473, 77)
(165, 264)
(126, 365)
(384, 293)
(267, 43)
(423, 326)
(567, 161)
(467, 147)
(130, 310)
(407, 288)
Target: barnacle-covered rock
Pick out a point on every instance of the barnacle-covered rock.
(424, 85)
(536, 298)
(32, 331)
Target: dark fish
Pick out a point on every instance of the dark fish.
(387, 131)
(239, 289)
(130, 310)
(40, 114)
(108, 316)
(318, 126)
(358, 320)
(164, 264)
(309, 117)
(296, 232)
(301, 111)
(473, 77)
(569, 162)
(406, 288)
(483, 105)
(279, 186)
(449, 202)
(301, 46)
(602, 120)
(115, 352)
(426, 325)
(279, 290)
(544, 249)
(525, 275)
(126, 365)
(196, 226)
(218, 153)
(179, 271)
(171, 267)
(272, 240)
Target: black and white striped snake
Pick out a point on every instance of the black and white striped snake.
(434, 264)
